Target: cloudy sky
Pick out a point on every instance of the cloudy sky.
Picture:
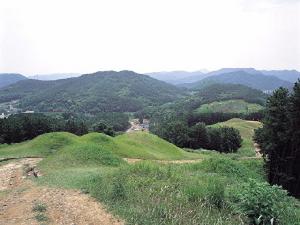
(83, 36)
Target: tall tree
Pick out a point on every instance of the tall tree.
(294, 135)
(279, 139)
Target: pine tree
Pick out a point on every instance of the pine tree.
(293, 164)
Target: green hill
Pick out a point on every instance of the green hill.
(95, 147)
(107, 91)
(149, 146)
(255, 80)
(246, 129)
(229, 106)
(10, 78)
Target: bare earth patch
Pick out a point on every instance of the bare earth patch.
(63, 207)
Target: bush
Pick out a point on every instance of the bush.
(263, 204)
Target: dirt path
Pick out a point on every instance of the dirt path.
(18, 197)
(132, 160)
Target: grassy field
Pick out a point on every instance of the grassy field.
(229, 106)
(148, 192)
(246, 129)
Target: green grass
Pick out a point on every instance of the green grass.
(146, 192)
(130, 145)
(246, 129)
(229, 106)
(148, 146)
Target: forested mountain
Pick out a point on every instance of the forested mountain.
(185, 108)
(10, 78)
(107, 91)
(253, 80)
(288, 75)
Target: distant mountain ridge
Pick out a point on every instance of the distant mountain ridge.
(255, 80)
(54, 76)
(106, 91)
(178, 77)
(10, 78)
(184, 79)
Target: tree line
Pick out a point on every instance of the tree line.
(22, 127)
(279, 139)
(222, 139)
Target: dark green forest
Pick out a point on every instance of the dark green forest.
(107, 91)
(279, 139)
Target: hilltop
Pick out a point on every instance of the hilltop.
(254, 80)
(107, 91)
(10, 78)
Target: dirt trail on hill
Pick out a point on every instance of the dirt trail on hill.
(19, 195)
(133, 160)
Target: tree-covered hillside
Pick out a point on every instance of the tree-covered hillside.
(10, 78)
(107, 91)
(254, 80)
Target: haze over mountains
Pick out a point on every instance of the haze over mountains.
(126, 90)
(54, 76)
(180, 77)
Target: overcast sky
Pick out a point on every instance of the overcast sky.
(51, 36)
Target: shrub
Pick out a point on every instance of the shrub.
(262, 203)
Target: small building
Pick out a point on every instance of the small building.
(28, 112)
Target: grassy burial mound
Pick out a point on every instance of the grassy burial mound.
(229, 106)
(63, 146)
(214, 191)
(246, 129)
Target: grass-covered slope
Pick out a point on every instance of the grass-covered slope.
(229, 106)
(148, 192)
(148, 146)
(246, 129)
(66, 147)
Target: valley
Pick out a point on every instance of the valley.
(124, 148)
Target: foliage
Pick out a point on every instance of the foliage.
(10, 78)
(279, 139)
(102, 127)
(222, 139)
(262, 203)
(21, 127)
(229, 106)
(254, 80)
(145, 192)
(107, 91)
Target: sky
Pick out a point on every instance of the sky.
(82, 36)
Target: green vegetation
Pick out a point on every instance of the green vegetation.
(95, 145)
(246, 129)
(230, 106)
(279, 139)
(148, 192)
(254, 80)
(39, 207)
(10, 78)
(148, 146)
(107, 91)
(21, 127)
